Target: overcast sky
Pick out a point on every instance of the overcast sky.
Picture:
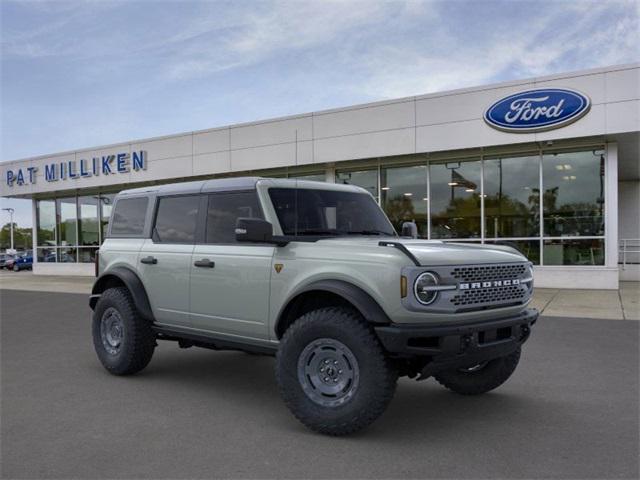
(81, 74)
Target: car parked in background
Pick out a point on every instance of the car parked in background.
(4, 258)
(23, 261)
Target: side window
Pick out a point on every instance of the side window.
(128, 216)
(176, 219)
(224, 209)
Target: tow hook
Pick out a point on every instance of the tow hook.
(467, 340)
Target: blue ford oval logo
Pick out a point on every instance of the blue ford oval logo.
(537, 110)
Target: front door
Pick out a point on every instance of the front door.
(229, 280)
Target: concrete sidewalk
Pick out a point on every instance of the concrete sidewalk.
(623, 304)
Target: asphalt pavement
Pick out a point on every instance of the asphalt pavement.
(569, 411)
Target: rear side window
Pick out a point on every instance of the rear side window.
(128, 216)
(223, 212)
(176, 219)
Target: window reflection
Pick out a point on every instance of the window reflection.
(67, 219)
(88, 222)
(573, 198)
(367, 179)
(46, 222)
(106, 206)
(574, 251)
(404, 197)
(455, 199)
(512, 197)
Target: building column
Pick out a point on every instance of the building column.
(34, 233)
(330, 173)
(611, 205)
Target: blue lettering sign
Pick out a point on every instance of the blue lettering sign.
(106, 164)
(51, 172)
(537, 110)
(121, 162)
(83, 171)
(32, 174)
(139, 160)
(72, 169)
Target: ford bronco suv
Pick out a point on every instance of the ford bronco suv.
(315, 274)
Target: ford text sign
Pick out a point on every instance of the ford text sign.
(537, 110)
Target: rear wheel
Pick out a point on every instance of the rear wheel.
(124, 341)
(332, 373)
(480, 378)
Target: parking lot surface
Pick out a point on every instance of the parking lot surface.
(570, 411)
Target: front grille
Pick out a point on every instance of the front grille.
(479, 273)
(491, 295)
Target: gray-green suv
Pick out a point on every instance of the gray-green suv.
(315, 274)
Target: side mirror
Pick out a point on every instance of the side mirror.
(254, 230)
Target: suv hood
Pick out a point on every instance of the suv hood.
(436, 252)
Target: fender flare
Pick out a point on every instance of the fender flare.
(361, 300)
(133, 284)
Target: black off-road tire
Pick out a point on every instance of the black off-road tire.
(377, 377)
(137, 342)
(483, 380)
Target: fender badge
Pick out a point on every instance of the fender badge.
(278, 267)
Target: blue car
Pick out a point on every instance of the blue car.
(23, 262)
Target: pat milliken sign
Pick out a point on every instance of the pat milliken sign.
(118, 163)
(537, 110)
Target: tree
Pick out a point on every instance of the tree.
(22, 237)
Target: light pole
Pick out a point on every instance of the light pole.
(10, 210)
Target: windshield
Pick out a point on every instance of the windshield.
(311, 212)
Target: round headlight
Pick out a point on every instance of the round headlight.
(422, 289)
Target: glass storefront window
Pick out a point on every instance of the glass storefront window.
(88, 221)
(367, 179)
(87, 254)
(455, 199)
(405, 197)
(106, 205)
(512, 197)
(47, 254)
(46, 222)
(67, 255)
(574, 251)
(573, 198)
(67, 221)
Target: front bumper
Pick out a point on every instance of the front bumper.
(458, 346)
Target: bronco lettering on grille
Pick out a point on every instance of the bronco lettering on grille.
(493, 283)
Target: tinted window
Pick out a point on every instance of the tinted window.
(176, 219)
(128, 217)
(224, 209)
(328, 212)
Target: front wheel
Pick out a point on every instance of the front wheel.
(332, 372)
(480, 378)
(16, 268)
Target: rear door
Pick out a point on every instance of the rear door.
(165, 259)
(230, 280)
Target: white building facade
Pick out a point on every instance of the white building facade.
(549, 165)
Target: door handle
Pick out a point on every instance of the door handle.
(205, 263)
(149, 260)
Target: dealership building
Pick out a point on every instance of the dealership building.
(550, 165)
